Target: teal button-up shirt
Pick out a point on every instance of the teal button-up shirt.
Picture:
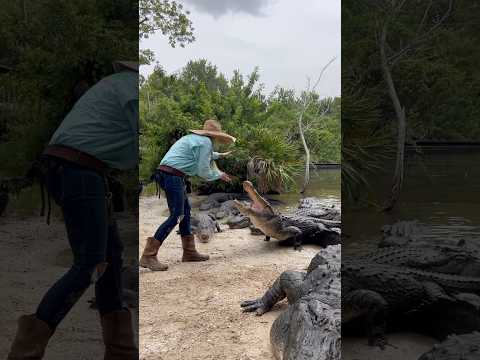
(104, 122)
(193, 155)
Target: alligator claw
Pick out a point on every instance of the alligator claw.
(248, 303)
(253, 305)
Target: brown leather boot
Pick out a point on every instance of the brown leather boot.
(118, 336)
(31, 339)
(149, 257)
(189, 251)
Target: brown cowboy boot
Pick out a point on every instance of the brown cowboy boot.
(31, 339)
(189, 251)
(118, 336)
(149, 257)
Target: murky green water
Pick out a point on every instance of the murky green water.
(441, 191)
(324, 184)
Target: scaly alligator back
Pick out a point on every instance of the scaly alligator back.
(450, 283)
(443, 259)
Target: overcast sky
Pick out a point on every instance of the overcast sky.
(288, 43)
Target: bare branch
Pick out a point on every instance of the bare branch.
(421, 38)
(425, 15)
(322, 72)
(306, 102)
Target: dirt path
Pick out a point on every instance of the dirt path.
(29, 267)
(34, 256)
(403, 346)
(192, 310)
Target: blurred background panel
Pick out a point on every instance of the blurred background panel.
(51, 54)
(410, 150)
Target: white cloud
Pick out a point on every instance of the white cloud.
(288, 44)
(221, 7)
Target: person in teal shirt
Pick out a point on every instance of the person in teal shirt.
(191, 155)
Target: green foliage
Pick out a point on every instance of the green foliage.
(51, 47)
(268, 149)
(168, 17)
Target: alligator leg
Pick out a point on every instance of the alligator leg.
(297, 243)
(267, 238)
(217, 225)
(293, 232)
(435, 292)
(284, 286)
(372, 305)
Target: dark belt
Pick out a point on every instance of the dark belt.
(170, 170)
(77, 157)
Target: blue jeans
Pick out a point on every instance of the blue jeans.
(94, 241)
(178, 204)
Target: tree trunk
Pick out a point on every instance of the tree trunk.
(305, 105)
(402, 125)
(306, 180)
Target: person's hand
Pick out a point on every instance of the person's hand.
(225, 154)
(225, 177)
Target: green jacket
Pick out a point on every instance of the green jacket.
(104, 122)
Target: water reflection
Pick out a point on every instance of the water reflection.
(324, 184)
(440, 191)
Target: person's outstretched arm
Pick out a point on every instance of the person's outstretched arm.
(205, 168)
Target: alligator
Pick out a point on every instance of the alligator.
(448, 259)
(379, 293)
(456, 347)
(227, 210)
(255, 231)
(238, 222)
(214, 201)
(204, 226)
(314, 207)
(284, 227)
(414, 233)
(310, 327)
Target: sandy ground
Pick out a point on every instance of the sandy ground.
(34, 256)
(192, 310)
(404, 346)
(189, 312)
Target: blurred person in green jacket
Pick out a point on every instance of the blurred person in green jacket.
(98, 135)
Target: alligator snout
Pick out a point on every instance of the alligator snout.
(204, 238)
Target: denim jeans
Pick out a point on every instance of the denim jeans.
(178, 204)
(94, 240)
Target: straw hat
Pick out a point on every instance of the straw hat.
(212, 128)
(125, 65)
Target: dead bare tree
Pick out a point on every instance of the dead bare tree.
(307, 99)
(388, 59)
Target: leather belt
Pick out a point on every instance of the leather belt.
(77, 157)
(170, 170)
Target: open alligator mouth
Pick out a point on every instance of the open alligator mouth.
(259, 204)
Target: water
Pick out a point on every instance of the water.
(324, 184)
(441, 191)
